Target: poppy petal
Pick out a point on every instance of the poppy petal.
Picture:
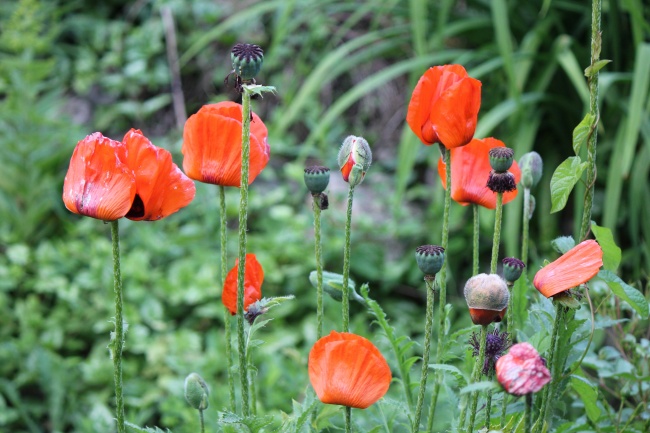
(522, 371)
(99, 184)
(456, 112)
(419, 109)
(253, 279)
(577, 266)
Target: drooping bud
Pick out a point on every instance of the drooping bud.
(512, 269)
(247, 60)
(522, 371)
(317, 178)
(430, 259)
(354, 159)
(487, 298)
(531, 169)
(196, 391)
(501, 158)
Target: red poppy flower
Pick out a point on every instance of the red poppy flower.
(212, 145)
(470, 169)
(444, 106)
(575, 267)
(108, 179)
(253, 279)
(349, 370)
(522, 371)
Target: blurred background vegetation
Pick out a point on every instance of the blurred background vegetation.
(69, 68)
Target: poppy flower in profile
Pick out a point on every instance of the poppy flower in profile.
(212, 145)
(349, 370)
(253, 279)
(575, 267)
(444, 106)
(470, 170)
(108, 179)
(522, 371)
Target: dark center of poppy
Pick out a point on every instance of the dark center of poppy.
(137, 208)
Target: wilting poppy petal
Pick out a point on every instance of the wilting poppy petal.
(522, 371)
(470, 169)
(99, 184)
(349, 370)
(161, 187)
(253, 279)
(444, 106)
(575, 267)
(212, 145)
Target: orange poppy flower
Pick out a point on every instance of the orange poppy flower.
(349, 370)
(212, 145)
(575, 267)
(253, 279)
(470, 169)
(444, 106)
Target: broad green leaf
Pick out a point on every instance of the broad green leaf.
(564, 179)
(458, 375)
(581, 132)
(626, 292)
(611, 251)
(589, 396)
(592, 70)
(563, 244)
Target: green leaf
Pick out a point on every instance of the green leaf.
(563, 244)
(589, 396)
(146, 429)
(480, 386)
(611, 251)
(626, 292)
(564, 179)
(333, 285)
(458, 375)
(592, 70)
(581, 132)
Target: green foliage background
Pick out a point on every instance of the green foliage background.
(69, 68)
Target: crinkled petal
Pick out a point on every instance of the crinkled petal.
(253, 279)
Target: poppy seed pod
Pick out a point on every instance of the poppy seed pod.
(531, 169)
(247, 60)
(317, 178)
(354, 159)
(522, 371)
(512, 269)
(487, 298)
(196, 391)
(501, 158)
(430, 258)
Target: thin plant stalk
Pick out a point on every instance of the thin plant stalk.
(509, 321)
(226, 314)
(202, 421)
(528, 414)
(488, 407)
(243, 210)
(348, 419)
(497, 233)
(475, 239)
(442, 300)
(428, 327)
(319, 268)
(117, 345)
(478, 370)
(345, 301)
(525, 227)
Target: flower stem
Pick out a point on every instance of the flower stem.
(525, 227)
(430, 282)
(243, 209)
(476, 376)
(443, 287)
(202, 421)
(319, 268)
(488, 408)
(476, 233)
(226, 313)
(117, 345)
(348, 419)
(509, 328)
(528, 413)
(345, 302)
(497, 233)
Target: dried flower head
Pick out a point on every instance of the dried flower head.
(496, 345)
(487, 298)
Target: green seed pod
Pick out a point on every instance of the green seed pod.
(247, 60)
(317, 178)
(196, 391)
(531, 166)
(430, 258)
(501, 158)
(512, 269)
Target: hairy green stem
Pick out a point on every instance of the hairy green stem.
(442, 300)
(430, 282)
(319, 268)
(525, 227)
(226, 314)
(592, 81)
(475, 244)
(488, 407)
(509, 330)
(243, 210)
(202, 421)
(345, 302)
(478, 371)
(528, 414)
(348, 419)
(117, 345)
(497, 233)
(547, 394)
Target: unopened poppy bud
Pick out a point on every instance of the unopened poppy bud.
(487, 298)
(430, 259)
(196, 391)
(501, 182)
(531, 169)
(247, 60)
(522, 371)
(512, 269)
(531, 206)
(501, 158)
(354, 151)
(317, 178)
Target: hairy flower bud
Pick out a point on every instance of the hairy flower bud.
(487, 298)
(512, 269)
(196, 391)
(531, 169)
(354, 159)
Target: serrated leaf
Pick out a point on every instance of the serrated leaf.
(480, 386)
(563, 244)
(146, 429)
(592, 70)
(564, 178)
(589, 396)
(626, 292)
(581, 132)
(458, 375)
(611, 251)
